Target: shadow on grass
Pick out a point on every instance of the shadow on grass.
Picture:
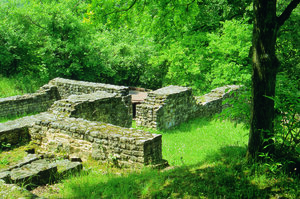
(223, 175)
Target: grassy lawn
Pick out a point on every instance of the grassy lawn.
(207, 159)
(192, 142)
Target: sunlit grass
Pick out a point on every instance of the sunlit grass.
(19, 85)
(193, 141)
(11, 157)
(209, 160)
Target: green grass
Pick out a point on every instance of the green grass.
(19, 85)
(6, 119)
(194, 140)
(8, 158)
(209, 160)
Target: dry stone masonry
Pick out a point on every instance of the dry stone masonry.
(34, 170)
(29, 103)
(68, 87)
(98, 106)
(169, 106)
(16, 131)
(102, 141)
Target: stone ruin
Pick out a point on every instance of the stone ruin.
(170, 106)
(84, 119)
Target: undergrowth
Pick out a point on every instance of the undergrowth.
(19, 84)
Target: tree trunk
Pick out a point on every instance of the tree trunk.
(264, 70)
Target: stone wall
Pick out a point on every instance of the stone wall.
(169, 106)
(16, 131)
(29, 103)
(60, 130)
(101, 141)
(98, 106)
(68, 87)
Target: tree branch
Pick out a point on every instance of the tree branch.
(287, 12)
(34, 23)
(122, 10)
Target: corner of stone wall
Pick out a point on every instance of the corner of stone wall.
(166, 107)
(169, 106)
(29, 103)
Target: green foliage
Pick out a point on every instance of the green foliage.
(228, 54)
(126, 57)
(200, 44)
(287, 125)
(4, 146)
(287, 47)
(206, 61)
(182, 32)
(16, 38)
(185, 62)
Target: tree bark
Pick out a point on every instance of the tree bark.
(264, 70)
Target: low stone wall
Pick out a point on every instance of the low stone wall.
(29, 103)
(56, 89)
(98, 106)
(166, 107)
(101, 141)
(68, 87)
(15, 131)
(169, 106)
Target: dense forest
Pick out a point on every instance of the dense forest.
(201, 44)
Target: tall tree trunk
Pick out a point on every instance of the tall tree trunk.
(264, 70)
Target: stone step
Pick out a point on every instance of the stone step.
(32, 171)
(61, 107)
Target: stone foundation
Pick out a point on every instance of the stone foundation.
(16, 131)
(34, 170)
(105, 142)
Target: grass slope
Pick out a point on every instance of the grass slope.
(209, 162)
